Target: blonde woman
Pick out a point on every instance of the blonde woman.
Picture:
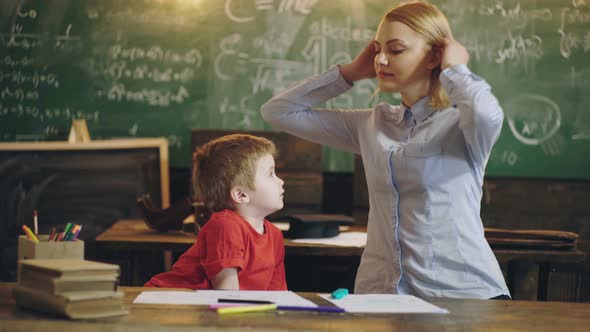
(424, 159)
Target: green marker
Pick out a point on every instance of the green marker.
(339, 293)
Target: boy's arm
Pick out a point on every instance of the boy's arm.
(278, 281)
(226, 279)
(184, 274)
(222, 254)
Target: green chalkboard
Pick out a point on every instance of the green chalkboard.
(163, 67)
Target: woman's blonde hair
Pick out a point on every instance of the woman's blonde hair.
(429, 22)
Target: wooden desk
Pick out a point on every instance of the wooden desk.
(519, 265)
(135, 234)
(138, 250)
(465, 315)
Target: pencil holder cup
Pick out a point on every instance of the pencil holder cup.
(44, 249)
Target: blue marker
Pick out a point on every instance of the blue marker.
(339, 293)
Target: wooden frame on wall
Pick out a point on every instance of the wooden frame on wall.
(114, 144)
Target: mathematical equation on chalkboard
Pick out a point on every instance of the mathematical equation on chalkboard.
(213, 64)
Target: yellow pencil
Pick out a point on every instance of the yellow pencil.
(30, 234)
(251, 308)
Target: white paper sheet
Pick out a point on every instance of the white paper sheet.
(284, 226)
(348, 239)
(384, 303)
(207, 297)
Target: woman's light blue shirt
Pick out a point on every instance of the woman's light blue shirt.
(424, 170)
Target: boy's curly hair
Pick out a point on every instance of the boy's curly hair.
(225, 163)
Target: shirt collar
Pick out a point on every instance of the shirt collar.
(420, 111)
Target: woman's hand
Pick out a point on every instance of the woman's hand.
(453, 53)
(361, 67)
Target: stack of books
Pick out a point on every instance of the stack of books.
(76, 288)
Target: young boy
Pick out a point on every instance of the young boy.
(237, 248)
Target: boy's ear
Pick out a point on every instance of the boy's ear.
(239, 196)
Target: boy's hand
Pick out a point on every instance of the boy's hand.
(361, 67)
(453, 53)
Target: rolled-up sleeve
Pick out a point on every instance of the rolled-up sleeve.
(292, 111)
(224, 247)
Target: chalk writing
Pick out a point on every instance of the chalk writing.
(31, 13)
(533, 118)
(50, 131)
(174, 141)
(24, 61)
(298, 6)
(117, 70)
(157, 54)
(243, 12)
(30, 41)
(18, 94)
(274, 44)
(66, 113)
(243, 111)
(520, 50)
(571, 40)
(275, 75)
(214, 63)
(118, 92)
(513, 16)
(34, 78)
(552, 147)
(325, 28)
(22, 41)
(179, 13)
(133, 130)
(510, 158)
(229, 11)
(231, 60)
(581, 125)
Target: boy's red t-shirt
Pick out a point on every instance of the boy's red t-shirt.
(227, 240)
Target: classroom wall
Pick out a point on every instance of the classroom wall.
(542, 204)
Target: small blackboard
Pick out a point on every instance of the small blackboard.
(93, 184)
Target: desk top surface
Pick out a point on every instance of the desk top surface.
(135, 234)
(468, 315)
